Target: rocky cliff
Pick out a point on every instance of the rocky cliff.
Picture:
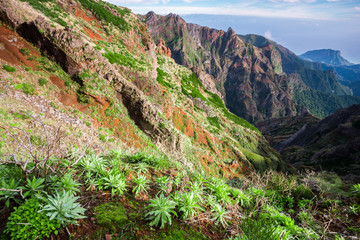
(249, 79)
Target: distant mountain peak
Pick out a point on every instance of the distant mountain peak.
(327, 56)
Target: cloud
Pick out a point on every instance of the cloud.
(140, 2)
(357, 8)
(332, 0)
(293, 13)
(268, 35)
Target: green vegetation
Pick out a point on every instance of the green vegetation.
(49, 8)
(105, 15)
(26, 222)
(162, 78)
(25, 51)
(323, 104)
(26, 88)
(9, 68)
(43, 81)
(161, 209)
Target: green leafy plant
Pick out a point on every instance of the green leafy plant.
(43, 81)
(163, 183)
(197, 189)
(9, 68)
(219, 215)
(12, 190)
(68, 183)
(220, 190)
(26, 222)
(64, 208)
(188, 205)
(34, 186)
(356, 189)
(24, 51)
(262, 228)
(142, 184)
(141, 167)
(161, 208)
(114, 181)
(26, 88)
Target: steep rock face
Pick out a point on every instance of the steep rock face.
(162, 49)
(333, 144)
(250, 79)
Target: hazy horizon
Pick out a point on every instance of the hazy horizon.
(299, 25)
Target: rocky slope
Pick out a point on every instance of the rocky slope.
(278, 130)
(106, 82)
(332, 144)
(249, 79)
(327, 56)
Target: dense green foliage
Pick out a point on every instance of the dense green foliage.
(9, 68)
(26, 222)
(99, 9)
(26, 88)
(322, 104)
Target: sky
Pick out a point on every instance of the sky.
(299, 25)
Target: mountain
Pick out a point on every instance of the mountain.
(332, 144)
(257, 78)
(310, 73)
(249, 79)
(314, 86)
(327, 56)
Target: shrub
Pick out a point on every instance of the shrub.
(43, 81)
(9, 68)
(64, 208)
(26, 222)
(161, 209)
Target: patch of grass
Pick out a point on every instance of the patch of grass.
(26, 88)
(25, 51)
(162, 77)
(9, 68)
(105, 15)
(53, 12)
(43, 81)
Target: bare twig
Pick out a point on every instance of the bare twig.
(14, 190)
